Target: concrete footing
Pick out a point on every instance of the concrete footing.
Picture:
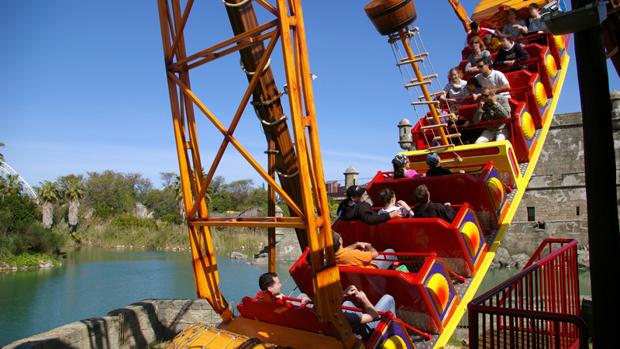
(135, 326)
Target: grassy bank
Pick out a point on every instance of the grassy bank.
(149, 234)
(28, 261)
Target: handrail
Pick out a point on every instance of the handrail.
(540, 303)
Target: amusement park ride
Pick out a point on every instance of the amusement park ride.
(446, 260)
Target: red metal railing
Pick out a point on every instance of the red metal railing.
(536, 308)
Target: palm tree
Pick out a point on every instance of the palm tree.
(178, 190)
(73, 189)
(49, 194)
(13, 185)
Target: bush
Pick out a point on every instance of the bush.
(36, 239)
(20, 231)
(16, 213)
(127, 221)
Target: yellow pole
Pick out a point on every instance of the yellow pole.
(420, 77)
(326, 279)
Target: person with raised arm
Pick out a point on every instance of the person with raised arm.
(364, 323)
(514, 27)
(492, 108)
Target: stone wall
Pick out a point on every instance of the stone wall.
(556, 192)
(135, 326)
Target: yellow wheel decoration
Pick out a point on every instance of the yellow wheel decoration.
(527, 125)
(471, 235)
(559, 42)
(440, 292)
(394, 342)
(541, 95)
(497, 191)
(552, 70)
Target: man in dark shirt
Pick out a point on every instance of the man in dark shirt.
(424, 208)
(435, 169)
(354, 208)
(511, 54)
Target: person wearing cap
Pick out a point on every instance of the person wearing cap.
(400, 163)
(425, 208)
(354, 208)
(435, 169)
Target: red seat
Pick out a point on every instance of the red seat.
(522, 85)
(521, 123)
(425, 298)
(483, 192)
(459, 244)
(283, 313)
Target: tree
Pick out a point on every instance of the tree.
(1, 155)
(49, 195)
(175, 186)
(11, 185)
(111, 193)
(73, 190)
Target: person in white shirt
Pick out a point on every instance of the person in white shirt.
(489, 77)
(388, 196)
(455, 90)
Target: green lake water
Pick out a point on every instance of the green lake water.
(92, 282)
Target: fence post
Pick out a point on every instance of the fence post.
(472, 317)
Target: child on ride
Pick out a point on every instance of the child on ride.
(400, 164)
(388, 196)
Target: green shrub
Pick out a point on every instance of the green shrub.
(171, 218)
(20, 231)
(16, 212)
(36, 239)
(127, 221)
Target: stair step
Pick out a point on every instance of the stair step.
(451, 115)
(408, 61)
(452, 135)
(425, 80)
(425, 102)
(417, 83)
(416, 58)
(433, 126)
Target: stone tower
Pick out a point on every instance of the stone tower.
(350, 176)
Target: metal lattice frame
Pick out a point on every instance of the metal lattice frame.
(313, 210)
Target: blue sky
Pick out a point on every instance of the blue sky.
(84, 88)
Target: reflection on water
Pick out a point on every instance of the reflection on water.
(92, 282)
